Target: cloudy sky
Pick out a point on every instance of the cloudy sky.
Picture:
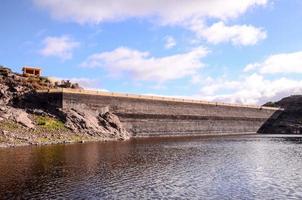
(239, 51)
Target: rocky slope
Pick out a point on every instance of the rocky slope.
(24, 120)
(289, 121)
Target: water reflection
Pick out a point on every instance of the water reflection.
(246, 167)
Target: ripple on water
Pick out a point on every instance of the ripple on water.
(249, 167)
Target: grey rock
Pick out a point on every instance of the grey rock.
(82, 119)
(21, 117)
(38, 112)
(18, 100)
(289, 120)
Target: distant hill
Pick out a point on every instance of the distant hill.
(290, 120)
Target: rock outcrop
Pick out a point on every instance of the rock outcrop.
(81, 119)
(288, 121)
(21, 117)
(13, 87)
(18, 104)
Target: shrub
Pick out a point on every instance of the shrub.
(49, 123)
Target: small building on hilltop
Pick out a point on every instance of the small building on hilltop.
(31, 71)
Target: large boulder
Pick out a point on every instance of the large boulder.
(17, 115)
(21, 117)
(107, 125)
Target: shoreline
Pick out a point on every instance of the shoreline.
(154, 138)
(51, 131)
(8, 145)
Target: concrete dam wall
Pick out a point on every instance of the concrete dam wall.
(147, 116)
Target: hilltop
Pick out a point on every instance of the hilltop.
(25, 120)
(290, 120)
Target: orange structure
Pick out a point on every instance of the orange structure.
(31, 71)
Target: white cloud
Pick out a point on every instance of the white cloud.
(251, 67)
(279, 63)
(169, 42)
(142, 66)
(168, 11)
(252, 89)
(237, 34)
(255, 88)
(61, 47)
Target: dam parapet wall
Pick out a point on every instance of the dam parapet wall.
(145, 116)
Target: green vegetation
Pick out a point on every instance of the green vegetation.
(43, 140)
(77, 138)
(9, 125)
(49, 123)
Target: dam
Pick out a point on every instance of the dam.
(146, 116)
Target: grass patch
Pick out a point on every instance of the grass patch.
(77, 138)
(9, 125)
(43, 140)
(49, 123)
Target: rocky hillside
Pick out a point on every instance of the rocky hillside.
(24, 120)
(290, 120)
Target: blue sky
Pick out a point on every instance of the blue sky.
(242, 51)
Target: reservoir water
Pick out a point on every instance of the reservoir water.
(228, 167)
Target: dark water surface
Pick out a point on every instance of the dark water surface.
(241, 167)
